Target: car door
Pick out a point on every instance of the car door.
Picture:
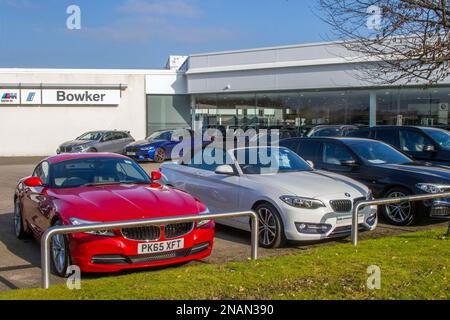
(106, 143)
(35, 202)
(388, 135)
(336, 157)
(414, 143)
(120, 141)
(219, 192)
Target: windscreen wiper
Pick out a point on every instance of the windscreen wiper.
(100, 184)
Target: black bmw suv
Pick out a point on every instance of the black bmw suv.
(385, 170)
(421, 143)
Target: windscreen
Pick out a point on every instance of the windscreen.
(96, 171)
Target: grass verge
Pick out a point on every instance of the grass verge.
(413, 266)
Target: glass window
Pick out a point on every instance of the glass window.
(42, 171)
(269, 160)
(361, 133)
(334, 107)
(91, 136)
(327, 132)
(96, 171)
(119, 135)
(441, 137)
(209, 159)
(388, 136)
(277, 109)
(168, 112)
(310, 150)
(213, 158)
(108, 137)
(290, 144)
(413, 106)
(412, 141)
(376, 152)
(334, 153)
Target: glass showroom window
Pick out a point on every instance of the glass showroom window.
(278, 109)
(413, 106)
(206, 110)
(168, 112)
(334, 107)
(439, 109)
(236, 110)
(226, 110)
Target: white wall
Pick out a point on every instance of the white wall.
(166, 82)
(38, 130)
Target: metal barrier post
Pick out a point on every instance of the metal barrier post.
(46, 237)
(385, 201)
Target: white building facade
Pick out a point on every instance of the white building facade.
(296, 86)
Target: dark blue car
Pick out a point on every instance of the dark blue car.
(157, 147)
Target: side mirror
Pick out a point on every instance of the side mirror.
(156, 176)
(225, 170)
(33, 182)
(429, 149)
(311, 164)
(349, 163)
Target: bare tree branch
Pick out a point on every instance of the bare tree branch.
(401, 41)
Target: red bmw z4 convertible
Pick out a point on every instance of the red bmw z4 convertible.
(91, 188)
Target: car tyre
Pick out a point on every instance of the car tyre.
(60, 254)
(18, 222)
(403, 214)
(159, 156)
(271, 229)
(92, 150)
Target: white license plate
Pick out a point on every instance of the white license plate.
(348, 219)
(131, 153)
(158, 247)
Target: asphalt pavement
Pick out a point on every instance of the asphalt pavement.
(20, 260)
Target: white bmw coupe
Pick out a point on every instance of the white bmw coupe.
(293, 201)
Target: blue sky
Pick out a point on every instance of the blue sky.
(142, 33)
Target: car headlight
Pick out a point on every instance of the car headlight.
(105, 233)
(433, 188)
(300, 202)
(148, 148)
(203, 222)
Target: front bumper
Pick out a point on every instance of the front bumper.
(140, 155)
(438, 208)
(307, 225)
(112, 254)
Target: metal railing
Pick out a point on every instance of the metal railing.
(361, 204)
(47, 236)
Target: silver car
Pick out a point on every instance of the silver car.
(97, 141)
(293, 200)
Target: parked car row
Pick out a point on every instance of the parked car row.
(157, 147)
(383, 169)
(303, 190)
(421, 143)
(293, 201)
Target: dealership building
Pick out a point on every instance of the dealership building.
(296, 86)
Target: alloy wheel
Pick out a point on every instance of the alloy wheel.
(160, 155)
(267, 226)
(17, 219)
(59, 252)
(398, 212)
